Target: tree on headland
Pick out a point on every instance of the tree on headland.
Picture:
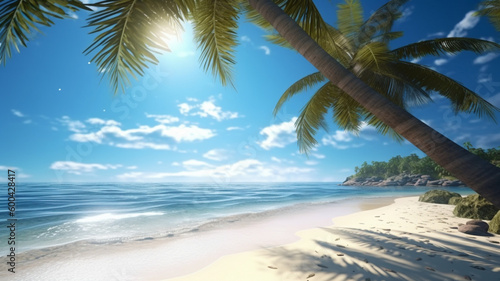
(412, 164)
(118, 44)
(491, 9)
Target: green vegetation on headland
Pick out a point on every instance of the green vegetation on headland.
(412, 166)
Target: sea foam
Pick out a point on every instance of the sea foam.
(111, 216)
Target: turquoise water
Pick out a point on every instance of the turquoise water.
(56, 214)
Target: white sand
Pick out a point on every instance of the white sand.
(408, 240)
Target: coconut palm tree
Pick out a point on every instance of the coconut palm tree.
(478, 174)
(366, 53)
(491, 8)
(128, 32)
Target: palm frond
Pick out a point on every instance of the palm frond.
(347, 112)
(350, 18)
(306, 12)
(461, 98)
(371, 56)
(380, 23)
(255, 17)
(381, 127)
(386, 37)
(337, 45)
(215, 25)
(312, 116)
(303, 12)
(442, 46)
(398, 89)
(491, 9)
(302, 85)
(19, 19)
(129, 32)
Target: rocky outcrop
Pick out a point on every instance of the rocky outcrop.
(438, 196)
(475, 207)
(401, 180)
(495, 224)
(474, 227)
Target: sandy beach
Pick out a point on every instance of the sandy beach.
(407, 240)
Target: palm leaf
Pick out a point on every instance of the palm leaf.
(386, 37)
(462, 99)
(491, 8)
(350, 18)
(130, 32)
(381, 127)
(19, 19)
(347, 112)
(372, 56)
(303, 12)
(302, 85)
(312, 116)
(442, 46)
(215, 25)
(398, 89)
(380, 23)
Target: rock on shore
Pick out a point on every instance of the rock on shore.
(402, 180)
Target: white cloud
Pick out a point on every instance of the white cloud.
(73, 125)
(164, 119)
(4, 168)
(342, 139)
(187, 133)
(486, 58)
(468, 22)
(130, 175)
(27, 121)
(495, 100)
(110, 133)
(97, 121)
(440, 62)
(142, 145)
(233, 128)
(79, 168)
(416, 60)
(73, 15)
(275, 159)
(279, 135)
(436, 34)
(184, 108)
(207, 109)
(216, 154)
(407, 12)
(266, 49)
(17, 113)
(318, 156)
(195, 164)
(132, 167)
(482, 78)
(328, 140)
(247, 170)
(488, 141)
(245, 38)
(311, 163)
(342, 136)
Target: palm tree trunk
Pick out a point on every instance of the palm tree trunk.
(476, 173)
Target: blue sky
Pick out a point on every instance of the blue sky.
(62, 123)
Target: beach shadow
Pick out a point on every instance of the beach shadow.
(387, 255)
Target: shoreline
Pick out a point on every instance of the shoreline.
(407, 240)
(156, 259)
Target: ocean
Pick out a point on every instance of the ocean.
(50, 214)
